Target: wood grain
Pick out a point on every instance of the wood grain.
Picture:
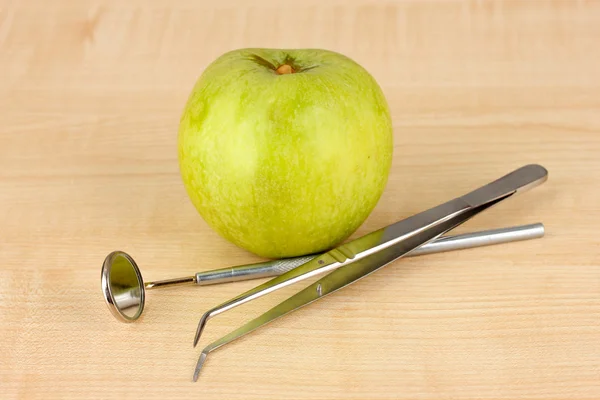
(90, 97)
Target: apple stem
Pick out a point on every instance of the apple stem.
(285, 69)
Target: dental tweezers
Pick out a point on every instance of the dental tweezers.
(361, 257)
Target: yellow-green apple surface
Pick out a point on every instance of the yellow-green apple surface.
(285, 152)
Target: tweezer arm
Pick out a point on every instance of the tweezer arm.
(338, 279)
(364, 246)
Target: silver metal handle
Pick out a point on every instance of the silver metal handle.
(251, 271)
(442, 244)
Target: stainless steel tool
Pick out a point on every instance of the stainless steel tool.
(125, 291)
(363, 256)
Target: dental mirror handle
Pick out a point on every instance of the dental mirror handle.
(277, 267)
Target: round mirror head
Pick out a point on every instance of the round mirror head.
(123, 286)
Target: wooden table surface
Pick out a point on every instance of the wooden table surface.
(91, 93)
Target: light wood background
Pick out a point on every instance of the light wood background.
(90, 98)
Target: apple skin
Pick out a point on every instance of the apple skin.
(285, 164)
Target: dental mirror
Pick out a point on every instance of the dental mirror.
(123, 286)
(124, 289)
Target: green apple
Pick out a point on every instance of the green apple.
(285, 152)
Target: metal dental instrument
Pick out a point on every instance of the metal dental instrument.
(363, 256)
(124, 288)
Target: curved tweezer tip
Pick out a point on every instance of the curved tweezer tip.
(200, 328)
(199, 365)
